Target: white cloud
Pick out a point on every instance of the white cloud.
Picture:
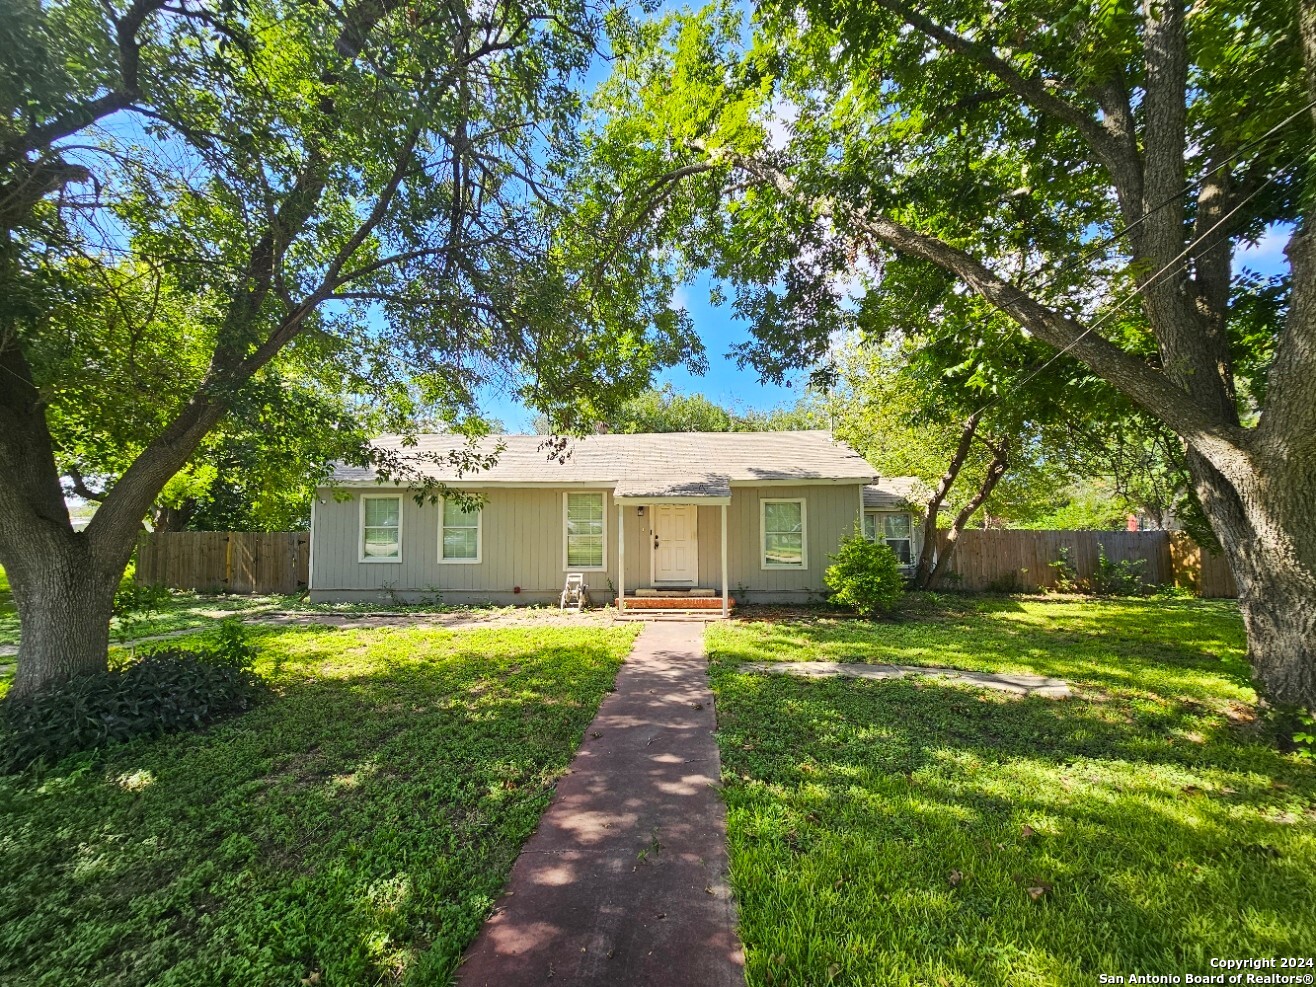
(779, 122)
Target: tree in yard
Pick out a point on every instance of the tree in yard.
(368, 189)
(913, 408)
(114, 363)
(1084, 169)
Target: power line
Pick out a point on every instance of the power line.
(1089, 251)
(1146, 285)
(1170, 200)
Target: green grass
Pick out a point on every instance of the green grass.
(878, 829)
(6, 598)
(181, 612)
(355, 830)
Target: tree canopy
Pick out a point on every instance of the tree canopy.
(270, 192)
(1074, 176)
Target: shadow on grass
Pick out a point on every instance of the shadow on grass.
(1191, 649)
(355, 830)
(877, 835)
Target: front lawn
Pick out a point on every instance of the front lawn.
(916, 832)
(355, 830)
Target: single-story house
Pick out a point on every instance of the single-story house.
(707, 516)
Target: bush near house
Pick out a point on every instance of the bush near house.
(865, 577)
(915, 832)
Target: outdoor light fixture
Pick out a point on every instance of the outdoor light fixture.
(639, 511)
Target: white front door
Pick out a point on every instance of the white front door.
(675, 543)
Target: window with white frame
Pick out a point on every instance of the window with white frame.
(585, 533)
(894, 529)
(781, 523)
(381, 528)
(459, 535)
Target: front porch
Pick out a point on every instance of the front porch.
(667, 509)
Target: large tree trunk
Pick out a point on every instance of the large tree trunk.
(64, 581)
(1269, 541)
(64, 598)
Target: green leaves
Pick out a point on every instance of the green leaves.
(865, 577)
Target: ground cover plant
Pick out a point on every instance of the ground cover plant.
(916, 832)
(166, 690)
(353, 830)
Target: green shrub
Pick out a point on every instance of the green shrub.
(1109, 578)
(1123, 578)
(229, 645)
(132, 600)
(162, 692)
(865, 576)
(1067, 580)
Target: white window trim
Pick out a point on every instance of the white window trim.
(479, 536)
(804, 533)
(880, 536)
(361, 529)
(566, 566)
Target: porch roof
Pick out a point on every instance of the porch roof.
(705, 488)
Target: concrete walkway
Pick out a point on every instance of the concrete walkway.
(624, 883)
(1015, 683)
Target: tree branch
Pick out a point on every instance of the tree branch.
(1119, 156)
(120, 98)
(80, 487)
(1220, 440)
(928, 553)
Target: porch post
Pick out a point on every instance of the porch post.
(621, 558)
(726, 609)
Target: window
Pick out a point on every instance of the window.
(585, 531)
(459, 536)
(381, 528)
(895, 530)
(782, 527)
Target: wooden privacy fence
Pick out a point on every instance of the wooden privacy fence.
(1020, 561)
(225, 561)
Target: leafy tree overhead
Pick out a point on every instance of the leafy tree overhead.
(1083, 169)
(117, 362)
(369, 188)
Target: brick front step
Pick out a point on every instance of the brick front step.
(676, 603)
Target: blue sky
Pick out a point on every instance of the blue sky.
(725, 383)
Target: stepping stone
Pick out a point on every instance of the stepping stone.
(1015, 683)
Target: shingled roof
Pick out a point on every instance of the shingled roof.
(895, 493)
(742, 458)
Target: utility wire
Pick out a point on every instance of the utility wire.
(1092, 249)
(1169, 267)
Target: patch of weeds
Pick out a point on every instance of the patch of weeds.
(163, 692)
